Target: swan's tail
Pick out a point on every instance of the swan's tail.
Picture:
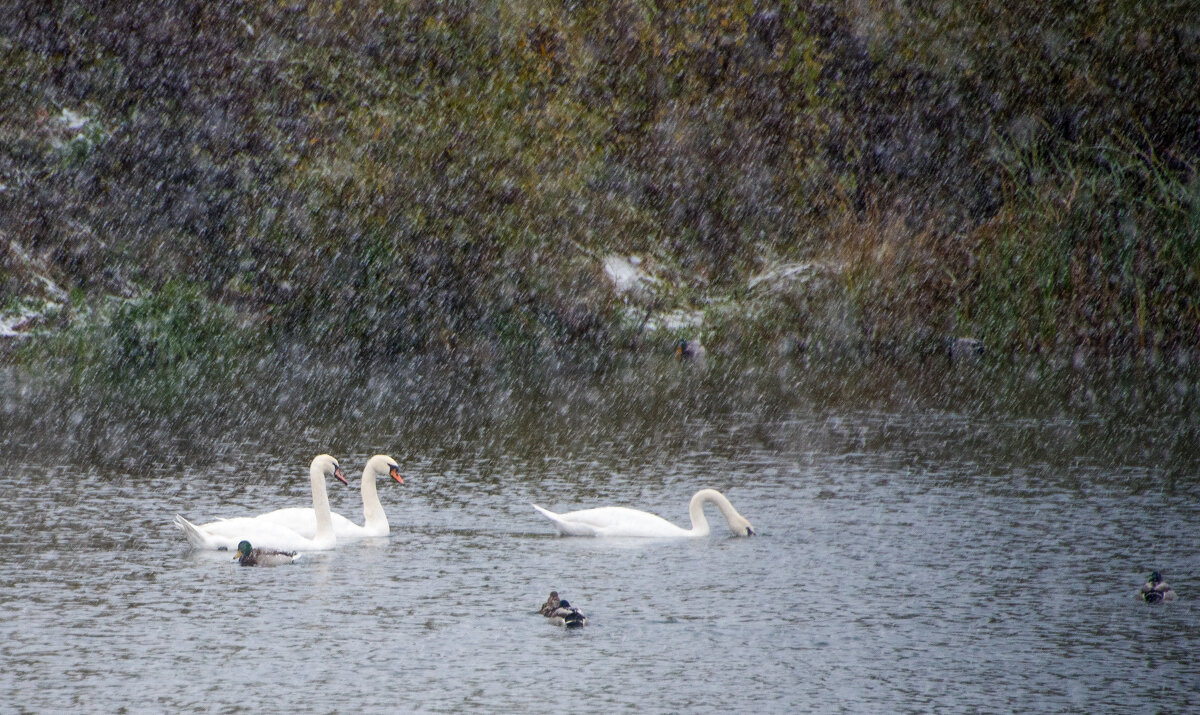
(190, 531)
(566, 528)
(558, 524)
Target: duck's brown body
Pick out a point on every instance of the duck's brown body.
(248, 556)
(561, 612)
(1156, 590)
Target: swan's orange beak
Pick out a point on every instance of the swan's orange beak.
(395, 472)
(337, 472)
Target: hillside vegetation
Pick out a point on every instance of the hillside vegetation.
(185, 179)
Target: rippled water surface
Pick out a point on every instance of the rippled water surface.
(918, 549)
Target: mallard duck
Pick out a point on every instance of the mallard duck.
(1156, 590)
(250, 556)
(689, 349)
(567, 615)
(551, 604)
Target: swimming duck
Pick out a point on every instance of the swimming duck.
(1156, 590)
(250, 556)
(566, 615)
(551, 605)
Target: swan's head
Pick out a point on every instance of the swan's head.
(737, 523)
(381, 465)
(740, 526)
(243, 550)
(329, 466)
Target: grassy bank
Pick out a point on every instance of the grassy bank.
(383, 178)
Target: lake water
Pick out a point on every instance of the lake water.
(928, 540)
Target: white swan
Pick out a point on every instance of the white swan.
(622, 521)
(303, 520)
(225, 534)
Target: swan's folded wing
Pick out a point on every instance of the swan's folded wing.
(227, 533)
(567, 527)
(616, 521)
(303, 521)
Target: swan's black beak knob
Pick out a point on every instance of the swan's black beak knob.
(749, 531)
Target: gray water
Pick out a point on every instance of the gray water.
(922, 545)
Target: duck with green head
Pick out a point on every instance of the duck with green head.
(689, 349)
(250, 556)
(1155, 590)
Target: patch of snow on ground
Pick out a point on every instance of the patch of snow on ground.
(626, 274)
(10, 323)
(801, 272)
(72, 120)
(676, 320)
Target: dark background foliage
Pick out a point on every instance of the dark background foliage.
(395, 177)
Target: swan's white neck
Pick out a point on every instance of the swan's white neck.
(373, 517)
(321, 504)
(712, 496)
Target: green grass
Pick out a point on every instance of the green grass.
(174, 335)
(1099, 249)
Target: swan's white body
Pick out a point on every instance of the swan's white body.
(622, 521)
(225, 534)
(303, 520)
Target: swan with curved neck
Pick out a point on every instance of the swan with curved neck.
(226, 534)
(303, 520)
(622, 521)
